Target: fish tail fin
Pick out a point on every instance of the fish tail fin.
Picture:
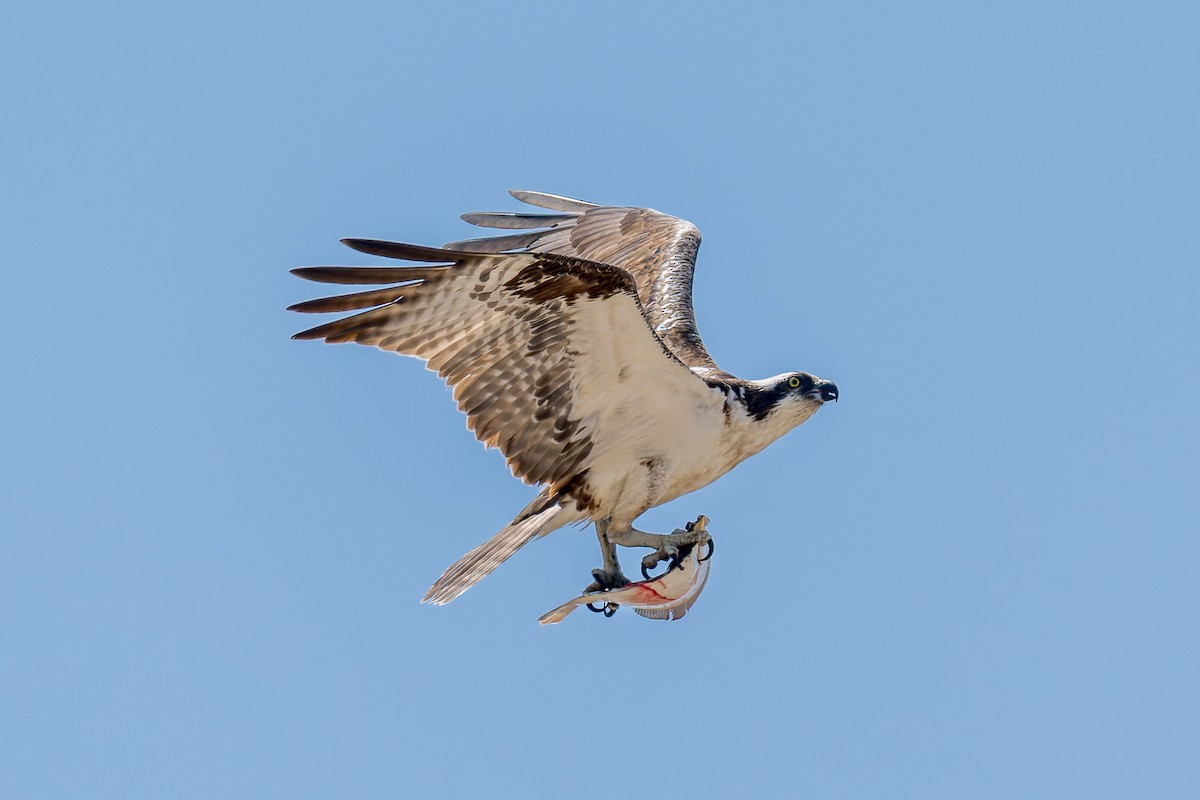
(654, 613)
(559, 614)
(477, 564)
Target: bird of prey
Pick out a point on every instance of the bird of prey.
(571, 346)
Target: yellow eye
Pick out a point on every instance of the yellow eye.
(794, 382)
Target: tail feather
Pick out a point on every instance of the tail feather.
(477, 564)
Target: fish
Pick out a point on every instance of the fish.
(669, 596)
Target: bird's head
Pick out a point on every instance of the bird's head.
(792, 396)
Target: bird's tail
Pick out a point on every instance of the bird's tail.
(477, 564)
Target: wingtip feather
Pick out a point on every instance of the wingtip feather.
(401, 250)
(305, 335)
(554, 202)
(494, 245)
(512, 220)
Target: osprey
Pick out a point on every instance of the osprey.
(572, 347)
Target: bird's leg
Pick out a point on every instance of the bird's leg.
(666, 546)
(609, 576)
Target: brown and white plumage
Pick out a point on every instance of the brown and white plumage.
(658, 250)
(577, 356)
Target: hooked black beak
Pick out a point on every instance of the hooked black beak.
(826, 390)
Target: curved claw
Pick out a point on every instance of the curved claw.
(592, 607)
(608, 609)
(675, 560)
(655, 560)
(606, 581)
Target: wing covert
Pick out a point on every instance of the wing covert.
(657, 249)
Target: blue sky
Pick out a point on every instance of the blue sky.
(976, 576)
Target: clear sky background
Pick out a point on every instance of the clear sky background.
(974, 577)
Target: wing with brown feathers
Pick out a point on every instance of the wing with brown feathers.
(658, 250)
(547, 354)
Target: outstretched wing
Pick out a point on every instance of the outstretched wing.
(658, 250)
(550, 357)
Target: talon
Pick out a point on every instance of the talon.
(608, 609)
(605, 581)
(649, 563)
(711, 547)
(654, 559)
(597, 585)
